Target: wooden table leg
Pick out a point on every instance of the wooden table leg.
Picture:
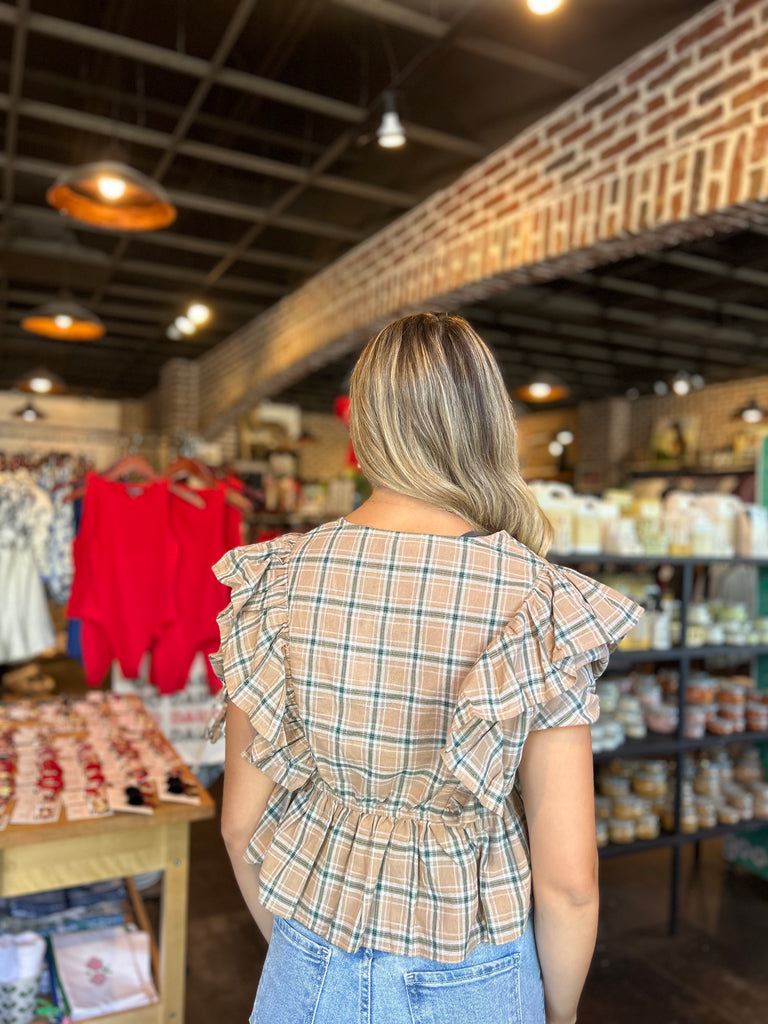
(173, 922)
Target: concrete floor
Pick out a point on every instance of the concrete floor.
(714, 972)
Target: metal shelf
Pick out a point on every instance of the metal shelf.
(744, 652)
(658, 744)
(573, 561)
(673, 840)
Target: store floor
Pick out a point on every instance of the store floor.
(714, 972)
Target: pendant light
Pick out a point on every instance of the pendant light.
(390, 133)
(41, 382)
(110, 194)
(543, 7)
(29, 413)
(63, 319)
(751, 413)
(543, 387)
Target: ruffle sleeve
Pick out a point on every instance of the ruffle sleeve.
(539, 671)
(252, 661)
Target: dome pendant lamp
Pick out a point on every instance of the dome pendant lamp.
(64, 320)
(112, 195)
(543, 387)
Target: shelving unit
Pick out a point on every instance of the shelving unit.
(657, 745)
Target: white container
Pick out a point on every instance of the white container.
(752, 532)
(556, 501)
(587, 525)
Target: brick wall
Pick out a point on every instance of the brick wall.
(614, 433)
(665, 147)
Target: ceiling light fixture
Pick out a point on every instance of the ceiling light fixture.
(751, 413)
(543, 387)
(543, 6)
(660, 387)
(65, 320)
(555, 448)
(110, 194)
(184, 325)
(564, 437)
(173, 333)
(681, 385)
(29, 413)
(199, 313)
(41, 382)
(390, 133)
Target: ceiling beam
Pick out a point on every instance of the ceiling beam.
(196, 67)
(583, 305)
(691, 300)
(690, 352)
(711, 267)
(173, 240)
(50, 113)
(488, 49)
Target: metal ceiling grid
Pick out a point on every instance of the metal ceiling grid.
(259, 118)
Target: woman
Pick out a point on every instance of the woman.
(412, 687)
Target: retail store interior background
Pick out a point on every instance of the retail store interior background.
(208, 208)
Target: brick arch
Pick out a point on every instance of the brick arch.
(664, 148)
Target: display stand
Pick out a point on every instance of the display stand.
(678, 745)
(36, 858)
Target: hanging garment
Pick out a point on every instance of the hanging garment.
(55, 477)
(26, 629)
(204, 536)
(126, 558)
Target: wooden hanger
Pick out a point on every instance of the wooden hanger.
(185, 466)
(137, 466)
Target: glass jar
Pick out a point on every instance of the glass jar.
(621, 830)
(663, 719)
(648, 826)
(689, 819)
(707, 781)
(601, 831)
(732, 693)
(603, 806)
(614, 785)
(695, 723)
(701, 690)
(706, 811)
(651, 783)
(628, 807)
(727, 815)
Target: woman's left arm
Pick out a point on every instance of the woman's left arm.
(246, 791)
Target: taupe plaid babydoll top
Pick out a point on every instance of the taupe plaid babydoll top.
(391, 679)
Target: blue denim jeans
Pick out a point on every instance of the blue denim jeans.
(306, 980)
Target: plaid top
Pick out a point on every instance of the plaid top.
(391, 679)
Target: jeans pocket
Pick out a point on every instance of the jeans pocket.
(292, 978)
(487, 993)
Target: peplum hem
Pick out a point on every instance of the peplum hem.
(252, 660)
(539, 670)
(403, 883)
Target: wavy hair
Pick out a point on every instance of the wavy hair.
(430, 417)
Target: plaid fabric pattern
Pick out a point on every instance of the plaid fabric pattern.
(392, 680)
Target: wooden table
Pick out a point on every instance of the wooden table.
(34, 858)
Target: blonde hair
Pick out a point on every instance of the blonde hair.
(430, 417)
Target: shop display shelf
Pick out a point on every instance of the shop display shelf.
(678, 839)
(659, 744)
(652, 561)
(745, 652)
(677, 745)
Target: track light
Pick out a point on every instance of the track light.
(29, 413)
(390, 133)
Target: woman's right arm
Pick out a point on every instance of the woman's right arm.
(557, 784)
